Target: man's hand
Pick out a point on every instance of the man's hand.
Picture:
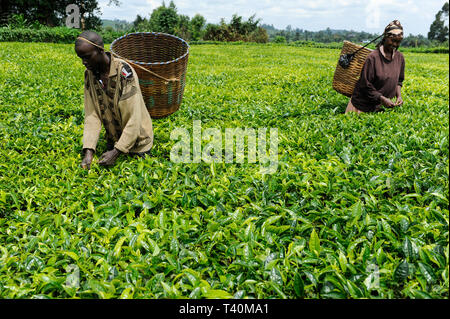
(386, 102)
(87, 160)
(109, 158)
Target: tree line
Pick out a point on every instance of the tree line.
(438, 34)
(165, 18)
(323, 36)
(51, 13)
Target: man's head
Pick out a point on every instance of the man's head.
(92, 56)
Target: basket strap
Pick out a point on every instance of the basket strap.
(367, 44)
(152, 73)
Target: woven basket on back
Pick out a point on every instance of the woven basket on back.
(166, 56)
(344, 80)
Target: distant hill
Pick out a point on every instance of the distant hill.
(328, 35)
(116, 24)
(270, 27)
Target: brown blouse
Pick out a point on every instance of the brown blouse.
(379, 77)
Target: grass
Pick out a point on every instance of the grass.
(358, 207)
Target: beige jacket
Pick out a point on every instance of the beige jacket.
(121, 109)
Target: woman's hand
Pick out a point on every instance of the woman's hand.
(399, 101)
(398, 94)
(386, 102)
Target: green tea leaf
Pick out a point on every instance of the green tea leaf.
(299, 286)
(314, 243)
(402, 271)
(421, 294)
(217, 294)
(118, 246)
(71, 254)
(427, 272)
(342, 262)
(407, 248)
(127, 293)
(276, 277)
(356, 213)
(155, 247)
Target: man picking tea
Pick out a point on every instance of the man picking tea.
(112, 96)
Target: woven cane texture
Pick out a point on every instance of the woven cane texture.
(344, 80)
(166, 56)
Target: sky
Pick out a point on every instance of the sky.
(371, 16)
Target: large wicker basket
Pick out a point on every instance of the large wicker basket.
(344, 80)
(166, 57)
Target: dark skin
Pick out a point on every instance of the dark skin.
(97, 61)
(390, 44)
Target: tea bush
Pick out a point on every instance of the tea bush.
(358, 207)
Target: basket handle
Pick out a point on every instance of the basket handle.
(118, 56)
(346, 59)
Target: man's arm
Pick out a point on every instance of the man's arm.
(131, 118)
(92, 127)
(129, 106)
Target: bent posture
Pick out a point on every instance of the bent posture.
(112, 97)
(382, 75)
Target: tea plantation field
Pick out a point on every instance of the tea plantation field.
(358, 207)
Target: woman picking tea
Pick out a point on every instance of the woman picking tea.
(382, 75)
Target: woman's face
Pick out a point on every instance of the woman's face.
(391, 43)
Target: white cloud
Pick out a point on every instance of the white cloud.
(415, 15)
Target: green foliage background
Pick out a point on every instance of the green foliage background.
(355, 198)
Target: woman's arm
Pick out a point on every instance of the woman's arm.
(398, 89)
(398, 94)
